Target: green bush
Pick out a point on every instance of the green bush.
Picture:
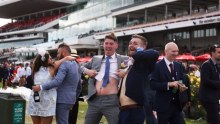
(197, 111)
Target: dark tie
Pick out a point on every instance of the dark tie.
(217, 67)
(172, 71)
(173, 76)
(106, 76)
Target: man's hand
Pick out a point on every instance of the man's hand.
(36, 88)
(174, 84)
(182, 87)
(121, 73)
(91, 73)
(155, 114)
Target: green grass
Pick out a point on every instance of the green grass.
(1, 84)
(82, 111)
(188, 121)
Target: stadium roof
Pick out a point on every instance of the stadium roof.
(15, 8)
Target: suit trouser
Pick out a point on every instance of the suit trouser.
(148, 107)
(73, 113)
(172, 116)
(62, 113)
(212, 110)
(107, 105)
(132, 116)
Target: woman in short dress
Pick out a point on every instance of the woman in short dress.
(43, 71)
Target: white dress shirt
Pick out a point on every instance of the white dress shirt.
(28, 71)
(168, 66)
(112, 71)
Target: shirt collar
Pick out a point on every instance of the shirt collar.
(214, 62)
(112, 56)
(167, 61)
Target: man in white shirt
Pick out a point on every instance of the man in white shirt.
(103, 83)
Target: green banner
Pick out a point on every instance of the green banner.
(18, 111)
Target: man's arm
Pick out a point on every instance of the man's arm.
(62, 71)
(206, 77)
(148, 55)
(157, 85)
(87, 69)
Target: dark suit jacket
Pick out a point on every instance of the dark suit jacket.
(210, 83)
(186, 97)
(159, 82)
(136, 79)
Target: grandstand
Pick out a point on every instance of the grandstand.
(192, 24)
(31, 20)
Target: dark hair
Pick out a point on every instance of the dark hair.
(38, 63)
(66, 47)
(112, 37)
(143, 39)
(213, 48)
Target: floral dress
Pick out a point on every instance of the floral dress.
(47, 105)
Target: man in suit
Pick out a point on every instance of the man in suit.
(165, 80)
(209, 92)
(103, 83)
(149, 103)
(66, 81)
(6, 74)
(132, 96)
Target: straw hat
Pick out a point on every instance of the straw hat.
(74, 53)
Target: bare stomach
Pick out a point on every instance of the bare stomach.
(111, 88)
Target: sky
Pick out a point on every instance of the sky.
(4, 21)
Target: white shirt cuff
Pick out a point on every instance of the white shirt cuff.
(41, 88)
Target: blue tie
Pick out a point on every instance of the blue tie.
(106, 76)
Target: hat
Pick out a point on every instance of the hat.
(74, 53)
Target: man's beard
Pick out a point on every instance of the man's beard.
(61, 56)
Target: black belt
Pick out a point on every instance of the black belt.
(126, 107)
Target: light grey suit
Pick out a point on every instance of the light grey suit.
(66, 81)
(109, 106)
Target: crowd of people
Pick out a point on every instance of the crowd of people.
(124, 89)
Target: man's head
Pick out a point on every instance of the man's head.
(215, 52)
(136, 41)
(171, 51)
(63, 51)
(7, 65)
(110, 44)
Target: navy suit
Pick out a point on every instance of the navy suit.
(144, 62)
(209, 92)
(137, 76)
(167, 103)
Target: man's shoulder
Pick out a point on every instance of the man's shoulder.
(177, 63)
(65, 63)
(122, 56)
(98, 56)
